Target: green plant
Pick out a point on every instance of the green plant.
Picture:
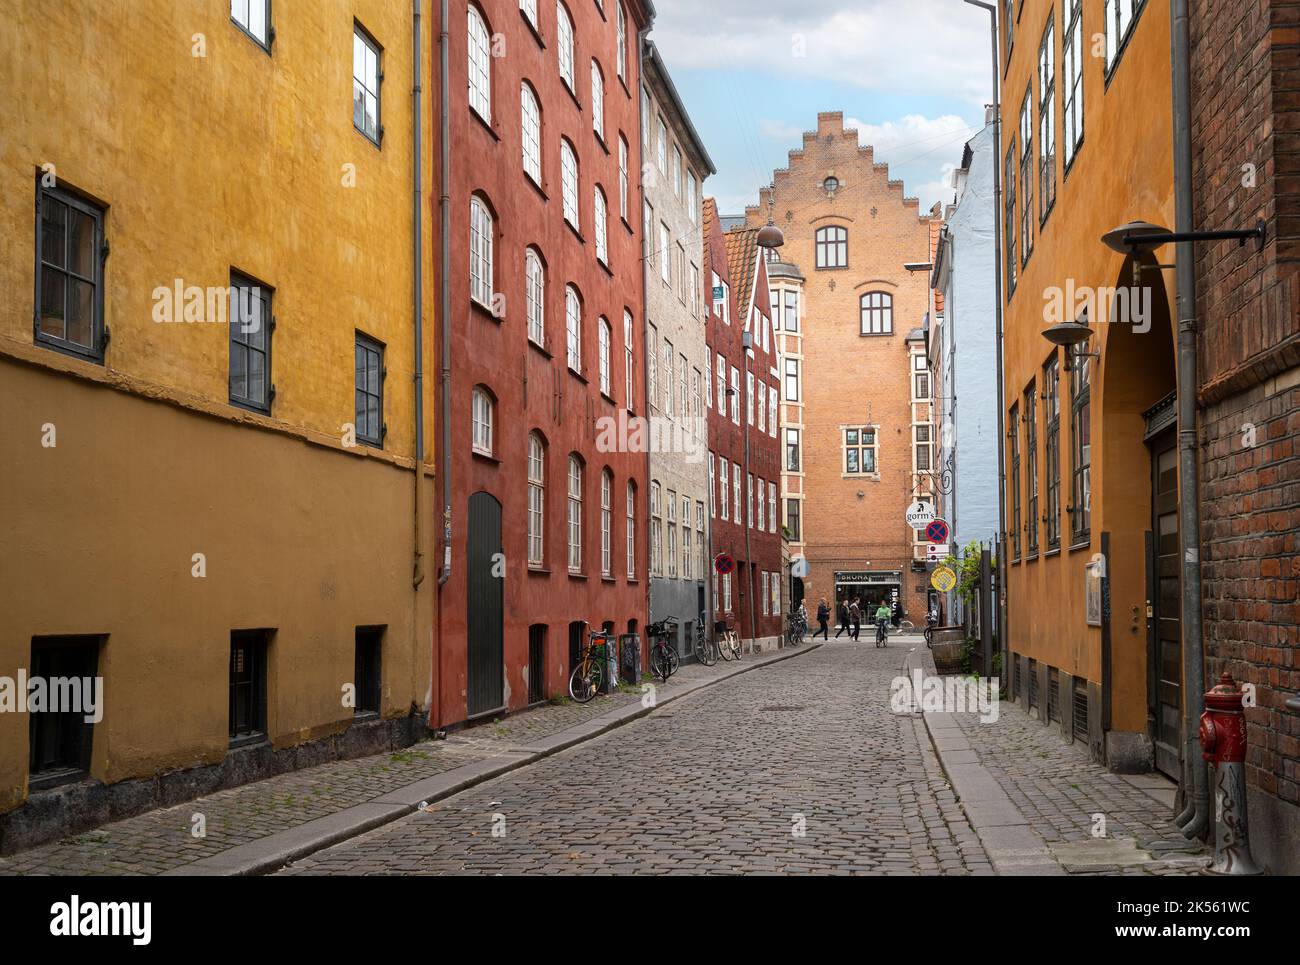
(968, 569)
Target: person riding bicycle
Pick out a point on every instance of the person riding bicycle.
(882, 622)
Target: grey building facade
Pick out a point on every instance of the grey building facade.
(678, 371)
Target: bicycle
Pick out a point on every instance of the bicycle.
(796, 629)
(663, 655)
(931, 621)
(588, 677)
(729, 642)
(705, 651)
(882, 633)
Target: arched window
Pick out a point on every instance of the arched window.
(575, 514)
(606, 523)
(628, 358)
(597, 100)
(531, 120)
(620, 39)
(569, 183)
(481, 416)
(599, 216)
(631, 531)
(564, 43)
(480, 65)
(536, 498)
(480, 252)
(622, 175)
(605, 336)
(573, 327)
(877, 313)
(529, 7)
(832, 247)
(534, 295)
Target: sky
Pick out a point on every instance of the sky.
(912, 76)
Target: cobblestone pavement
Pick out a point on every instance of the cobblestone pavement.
(161, 840)
(798, 768)
(1064, 796)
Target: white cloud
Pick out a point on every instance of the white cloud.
(921, 146)
(920, 47)
(780, 130)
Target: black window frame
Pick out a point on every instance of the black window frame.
(238, 282)
(883, 309)
(99, 248)
(270, 28)
(257, 643)
(1052, 450)
(1009, 218)
(1080, 428)
(368, 671)
(369, 40)
(796, 450)
(1032, 494)
(1026, 176)
(794, 517)
(370, 346)
(823, 244)
(1072, 38)
(1047, 119)
(57, 656)
(1014, 422)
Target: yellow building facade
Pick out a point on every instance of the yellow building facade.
(212, 487)
(1087, 145)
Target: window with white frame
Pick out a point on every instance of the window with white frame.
(600, 216)
(695, 290)
(713, 482)
(254, 18)
(749, 500)
(620, 41)
(564, 43)
(792, 455)
(480, 65)
(622, 176)
(735, 395)
(683, 400)
(597, 100)
(663, 147)
(762, 406)
(771, 412)
(749, 397)
(859, 451)
(677, 171)
(631, 531)
(482, 420)
(480, 252)
(669, 385)
(604, 336)
(699, 537)
(726, 592)
(569, 183)
(776, 596)
(536, 498)
(656, 532)
(628, 359)
(763, 596)
(652, 360)
(921, 386)
(531, 125)
(535, 295)
(573, 327)
(722, 385)
(692, 202)
(606, 523)
(529, 7)
(921, 435)
(723, 483)
(708, 388)
(575, 514)
(771, 507)
(761, 515)
(791, 380)
(665, 255)
(735, 491)
(365, 84)
(645, 120)
(686, 538)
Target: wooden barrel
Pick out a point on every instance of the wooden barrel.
(949, 649)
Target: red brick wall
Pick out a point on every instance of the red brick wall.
(1246, 103)
(534, 389)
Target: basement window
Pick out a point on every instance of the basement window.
(248, 686)
(59, 734)
(367, 676)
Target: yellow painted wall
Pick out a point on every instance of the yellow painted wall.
(1122, 172)
(236, 158)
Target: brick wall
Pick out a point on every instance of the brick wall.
(1246, 104)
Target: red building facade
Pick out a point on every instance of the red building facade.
(546, 518)
(743, 402)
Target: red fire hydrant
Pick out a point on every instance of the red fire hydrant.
(1223, 743)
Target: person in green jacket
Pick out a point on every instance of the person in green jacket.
(882, 621)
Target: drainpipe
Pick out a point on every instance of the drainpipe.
(417, 264)
(641, 35)
(746, 343)
(1195, 818)
(444, 283)
(998, 360)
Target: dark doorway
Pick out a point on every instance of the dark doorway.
(1166, 659)
(537, 663)
(484, 578)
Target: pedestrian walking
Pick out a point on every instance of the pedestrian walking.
(896, 612)
(855, 619)
(842, 616)
(823, 620)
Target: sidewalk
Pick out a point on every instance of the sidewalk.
(259, 827)
(1041, 807)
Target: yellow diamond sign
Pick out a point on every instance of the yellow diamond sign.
(943, 579)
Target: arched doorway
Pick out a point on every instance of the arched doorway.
(1139, 495)
(484, 580)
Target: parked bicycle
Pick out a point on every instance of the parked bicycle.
(588, 676)
(706, 652)
(663, 652)
(796, 628)
(728, 641)
(931, 621)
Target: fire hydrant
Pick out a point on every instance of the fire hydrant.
(1223, 742)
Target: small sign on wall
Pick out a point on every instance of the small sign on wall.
(1093, 573)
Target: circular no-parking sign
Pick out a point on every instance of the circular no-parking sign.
(937, 532)
(723, 563)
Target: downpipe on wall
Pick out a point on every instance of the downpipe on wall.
(444, 282)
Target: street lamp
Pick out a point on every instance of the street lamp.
(770, 236)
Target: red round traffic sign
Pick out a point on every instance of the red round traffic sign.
(723, 563)
(937, 532)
